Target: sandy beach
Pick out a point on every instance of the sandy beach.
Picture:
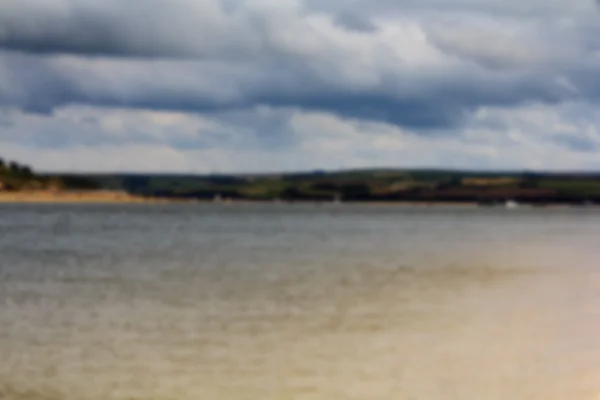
(49, 196)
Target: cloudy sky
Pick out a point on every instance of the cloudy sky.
(264, 85)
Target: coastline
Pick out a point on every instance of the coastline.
(71, 196)
(121, 197)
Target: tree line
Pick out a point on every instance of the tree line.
(13, 168)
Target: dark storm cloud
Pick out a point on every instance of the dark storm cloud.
(350, 59)
(40, 85)
(84, 27)
(208, 28)
(136, 28)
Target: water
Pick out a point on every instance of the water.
(250, 302)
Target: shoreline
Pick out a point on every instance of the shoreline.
(68, 196)
(121, 197)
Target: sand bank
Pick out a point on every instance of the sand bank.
(48, 196)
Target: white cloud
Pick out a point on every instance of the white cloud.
(535, 137)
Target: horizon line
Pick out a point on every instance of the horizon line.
(318, 171)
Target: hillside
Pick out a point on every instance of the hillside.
(361, 185)
(377, 185)
(16, 177)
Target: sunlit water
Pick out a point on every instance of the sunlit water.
(298, 302)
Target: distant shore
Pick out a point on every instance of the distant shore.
(110, 196)
(72, 196)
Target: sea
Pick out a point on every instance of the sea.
(298, 302)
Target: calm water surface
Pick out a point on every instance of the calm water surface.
(298, 302)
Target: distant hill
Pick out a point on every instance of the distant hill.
(369, 185)
(382, 185)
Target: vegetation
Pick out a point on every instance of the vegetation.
(14, 176)
(363, 185)
(18, 177)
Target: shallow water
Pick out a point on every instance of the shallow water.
(298, 302)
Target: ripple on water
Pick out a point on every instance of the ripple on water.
(246, 305)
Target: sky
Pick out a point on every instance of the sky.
(208, 86)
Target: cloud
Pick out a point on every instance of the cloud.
(416, 70)
(142, 28)
(272, 139)
(423, 89)
(210, 28)
(238, 73)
